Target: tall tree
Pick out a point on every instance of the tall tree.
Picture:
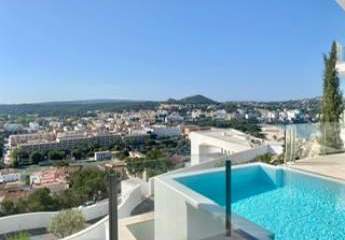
(332, 106)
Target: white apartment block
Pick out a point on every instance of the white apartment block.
(19, 139)
(63, 141)
(164, 131)
(104, 155)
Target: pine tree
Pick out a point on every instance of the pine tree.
(332, 106)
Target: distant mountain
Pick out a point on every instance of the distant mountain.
(195, 99)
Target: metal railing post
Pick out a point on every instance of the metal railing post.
(113, 221)
(228, 197)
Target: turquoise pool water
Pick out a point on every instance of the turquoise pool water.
(290, 204)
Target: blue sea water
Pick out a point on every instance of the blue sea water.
(289, 204)
(304, 130)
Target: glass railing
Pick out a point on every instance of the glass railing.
(307, 141)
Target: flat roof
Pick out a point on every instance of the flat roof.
(227, 135)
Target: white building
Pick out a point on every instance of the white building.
(220, 114)
(13, 127)
(174, 117)
(34, 126)
(214, 143)
(164, 131)
(105, 155)
(9, 177)
(196, 113)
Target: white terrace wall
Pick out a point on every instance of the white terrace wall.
(36, 220)
(177, 219)
(129, 201)
(181, 215)
(99, 230)
(236, 158)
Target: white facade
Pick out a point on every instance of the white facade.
(181, 213)
(105, 155)
(34, 126)
(10, 177)
(164, 131)
(133, 193)
(215, 143)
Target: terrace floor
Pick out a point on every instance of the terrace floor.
(235, 235)
(330, 165)
(146, 231)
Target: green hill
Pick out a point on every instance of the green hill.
(197, 99)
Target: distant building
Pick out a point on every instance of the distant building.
(196, 113)
(105, 155)
(174, 117)
(219, 114)
(13, 127)
(53, 178)
(34, 126)
(19, 139)
(164, 131)
(63, 141)
(9, 177)
(136, 154)
(135, 137)
(187, 129)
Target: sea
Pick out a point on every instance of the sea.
(304, 130)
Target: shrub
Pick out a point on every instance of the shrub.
(66, 223)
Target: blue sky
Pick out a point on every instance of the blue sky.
(228, 50)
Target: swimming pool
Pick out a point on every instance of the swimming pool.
(290, 204)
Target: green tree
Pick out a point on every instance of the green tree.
(66, 223)
(36, 157)
(69, 199)
(41, 200)
(19, 236)
(8, 207)
(332, 105)
(77, 154)
(135, 166)
(15, 163)
(56, 155)
(89, 183)
(18, 156)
